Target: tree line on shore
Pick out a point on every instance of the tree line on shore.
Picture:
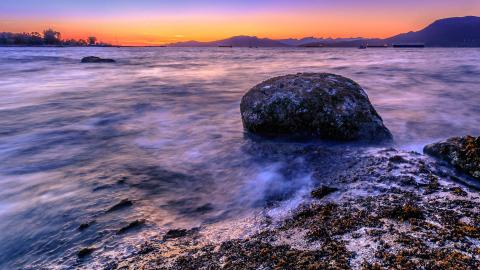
(49, 37)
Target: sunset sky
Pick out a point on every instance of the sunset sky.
(150, 22)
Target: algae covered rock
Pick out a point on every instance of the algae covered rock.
(319, 105)
(461, 152)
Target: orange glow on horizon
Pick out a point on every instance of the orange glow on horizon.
(151, 30)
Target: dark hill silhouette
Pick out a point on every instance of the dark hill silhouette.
(459, 31)
(238, 41)
(450, 32)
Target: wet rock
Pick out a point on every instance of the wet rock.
(322, 191)
(397, 159)
(458, 191)
(461, 152)
(317, 105)
(121, 205)
(122, 180)
(178, 233)
(86, 251)
(175, 233)
(95, 59)
(132, 225)
(85, 225)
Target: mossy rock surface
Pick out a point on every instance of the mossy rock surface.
(318, 105)
(461, 152)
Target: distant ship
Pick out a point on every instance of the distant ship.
(364, 46)
(409, 45)
(313, 45)
(378, 46)
(225, 46)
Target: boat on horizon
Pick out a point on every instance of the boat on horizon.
(378, 46)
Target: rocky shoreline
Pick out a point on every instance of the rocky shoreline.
(371, 208)
(388, 209)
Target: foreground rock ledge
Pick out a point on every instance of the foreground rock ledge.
(318, 105)
(461, 152)
(387, 209)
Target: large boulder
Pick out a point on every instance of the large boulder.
(95, 59)
(461, 152)
(317, 105)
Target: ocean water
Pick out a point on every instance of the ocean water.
(162, 128)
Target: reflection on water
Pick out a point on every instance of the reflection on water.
(162, 129)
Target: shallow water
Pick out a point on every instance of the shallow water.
(162, 128)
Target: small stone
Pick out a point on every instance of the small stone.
(322, 191)
(458, 191)
(122, 204)
(83, 252)
(397, 159)
(132, 225)
(85, 225)
(95, 59)
(175, 233)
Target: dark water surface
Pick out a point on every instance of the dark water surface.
(162, 129)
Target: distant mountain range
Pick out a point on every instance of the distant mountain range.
(449, 32)
(238, 41)
(312, 40)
